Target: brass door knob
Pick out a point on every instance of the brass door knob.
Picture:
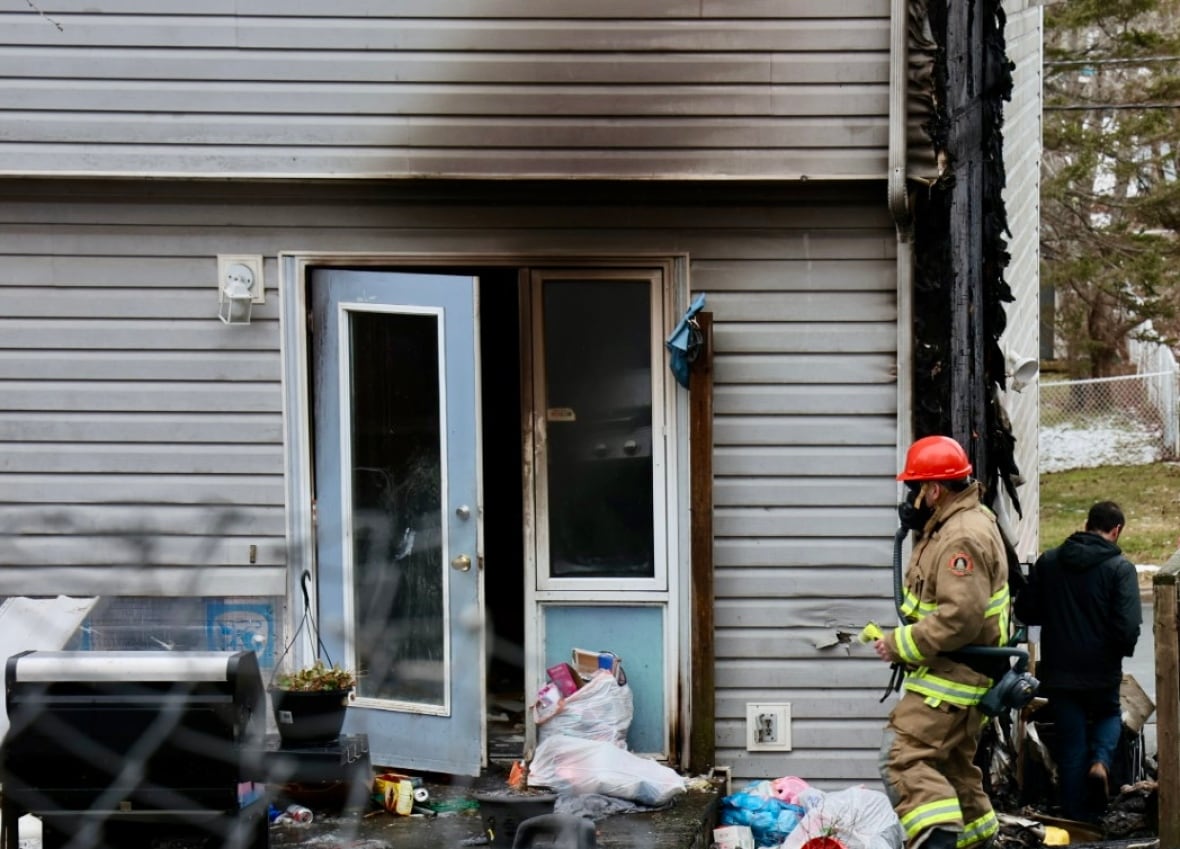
(461, 563)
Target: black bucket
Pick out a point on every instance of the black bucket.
(502, 813)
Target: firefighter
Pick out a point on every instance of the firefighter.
(955, 595)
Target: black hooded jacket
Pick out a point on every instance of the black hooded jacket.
(1085, 596)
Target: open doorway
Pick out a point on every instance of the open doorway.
(503, 519)
(436, 362)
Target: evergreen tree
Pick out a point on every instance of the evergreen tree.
(1110, 198)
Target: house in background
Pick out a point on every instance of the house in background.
(447, 438)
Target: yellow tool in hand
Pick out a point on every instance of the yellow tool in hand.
(871, 633)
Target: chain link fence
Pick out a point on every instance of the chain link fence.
(1127, 420)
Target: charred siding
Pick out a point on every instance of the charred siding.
(650, 89)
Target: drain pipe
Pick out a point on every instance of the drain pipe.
(899, 208)
(899, 57)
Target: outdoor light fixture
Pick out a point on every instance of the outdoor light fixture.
(1021, 371)
(239, 287)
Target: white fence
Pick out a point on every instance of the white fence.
(1125, 421)
(1157, 364)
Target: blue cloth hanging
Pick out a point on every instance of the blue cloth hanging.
(684, 344)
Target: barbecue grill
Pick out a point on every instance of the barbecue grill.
(135, 749)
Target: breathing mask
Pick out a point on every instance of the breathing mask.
(913, 512)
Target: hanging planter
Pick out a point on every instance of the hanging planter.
(309, 704)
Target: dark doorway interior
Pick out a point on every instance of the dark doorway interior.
(503, 511)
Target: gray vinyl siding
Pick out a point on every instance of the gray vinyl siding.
(120, 389)
(134, 431)
(1022, 158)
(805, 435)
(660, 89)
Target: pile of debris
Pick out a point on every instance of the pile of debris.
(1021, 779)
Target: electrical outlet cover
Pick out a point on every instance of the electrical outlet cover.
(780, 714)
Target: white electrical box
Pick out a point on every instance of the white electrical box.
(768, 727)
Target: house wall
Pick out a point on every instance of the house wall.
(1022, 159)
(125, 404)
(663, 89)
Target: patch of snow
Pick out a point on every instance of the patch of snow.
(1120, 442)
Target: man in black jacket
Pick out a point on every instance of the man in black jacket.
(1085, 596)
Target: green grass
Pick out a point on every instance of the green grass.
(1149, 496)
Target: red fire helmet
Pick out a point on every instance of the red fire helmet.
(935, 458)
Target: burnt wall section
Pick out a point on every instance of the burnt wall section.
(961, 247)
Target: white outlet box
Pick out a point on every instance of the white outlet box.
(768, 727)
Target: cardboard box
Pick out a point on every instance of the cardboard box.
(1137, 705)
(586, 663)
(733, 837)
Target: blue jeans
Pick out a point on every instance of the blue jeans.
(1088, 726)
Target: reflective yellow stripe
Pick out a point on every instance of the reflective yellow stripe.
(907, 649)
(943, 689)
(913, 607)
(909, 605)
(931, 814)
(998, 605)
(978, 830)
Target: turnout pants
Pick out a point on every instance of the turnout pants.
(926, 763)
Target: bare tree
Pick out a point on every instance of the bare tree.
(1110, 195)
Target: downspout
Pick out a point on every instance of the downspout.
(899, 208)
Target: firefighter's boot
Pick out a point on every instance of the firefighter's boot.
(939, 838)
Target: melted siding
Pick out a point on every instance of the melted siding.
(1022, 155)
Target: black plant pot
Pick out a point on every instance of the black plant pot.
(305, 717)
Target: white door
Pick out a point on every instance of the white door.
(394, 405)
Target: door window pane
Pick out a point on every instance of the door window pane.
(398, 581)
(597, 342)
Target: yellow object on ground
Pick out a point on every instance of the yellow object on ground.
(1055, 836)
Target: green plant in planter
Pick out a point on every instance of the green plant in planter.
(309, 704)
(315, 678)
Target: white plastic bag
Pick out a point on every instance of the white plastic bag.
(575, 765)
(600, 710)
(858, 817)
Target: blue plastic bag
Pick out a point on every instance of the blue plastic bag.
(769, 820)
(685, 341)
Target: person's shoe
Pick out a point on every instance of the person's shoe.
(1098, 781)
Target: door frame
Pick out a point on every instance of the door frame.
(300, 521)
